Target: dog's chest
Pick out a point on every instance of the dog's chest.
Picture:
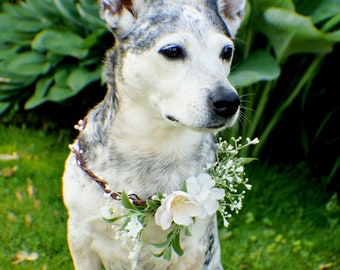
(146, 174)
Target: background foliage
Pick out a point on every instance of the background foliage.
(49, 50)
(52, 51)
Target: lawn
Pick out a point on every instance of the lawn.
(288, 222)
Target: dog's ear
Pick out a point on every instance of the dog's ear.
(120, 15)
(232, 12)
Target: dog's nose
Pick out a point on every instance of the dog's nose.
(225, 102)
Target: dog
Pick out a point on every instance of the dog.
(168, 94)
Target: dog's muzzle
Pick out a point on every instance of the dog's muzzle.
(224, 102)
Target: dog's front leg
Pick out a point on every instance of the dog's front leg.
(84, 258)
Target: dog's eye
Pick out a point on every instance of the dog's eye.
(172, 52)
(227, 53)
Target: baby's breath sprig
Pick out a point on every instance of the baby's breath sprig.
(229, 174)
(220, 189)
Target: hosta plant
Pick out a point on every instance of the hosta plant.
(49, 50)
(273, 33)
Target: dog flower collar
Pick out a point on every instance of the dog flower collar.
(220, 189)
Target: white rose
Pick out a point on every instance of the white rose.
(179, 208)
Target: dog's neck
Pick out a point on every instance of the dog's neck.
(138, 141)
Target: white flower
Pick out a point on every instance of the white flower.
(254, 141)
(179, 208)
(134, 227)
(202, 188)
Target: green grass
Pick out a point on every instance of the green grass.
(284, 223)
(33, 222)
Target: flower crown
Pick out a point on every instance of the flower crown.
(220, 189)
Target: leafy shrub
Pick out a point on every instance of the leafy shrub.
(283, 47)
(49, 50)
(52, 50)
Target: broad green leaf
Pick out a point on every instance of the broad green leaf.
(28, 63)
(17, 11)
(68, 10)
(292, 33)
(11, 81)
(8, 51)
(60, 91)
(92, 39)
(90, 15)
(81, 77)
(60, 41)
(54, 59)
(39, 96)
(259, 66)
(46, 8)
(30, 25)
(319, 10)
(4, 106)
(334, 36)
(6, 21)
(15, 37)
(6, 96)
(258, 6)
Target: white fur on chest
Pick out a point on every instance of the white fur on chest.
(84, 199)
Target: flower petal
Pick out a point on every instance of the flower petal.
(163, 218)
(193, 187)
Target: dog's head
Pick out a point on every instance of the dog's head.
(175, 56)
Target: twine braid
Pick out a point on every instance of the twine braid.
(136, 200)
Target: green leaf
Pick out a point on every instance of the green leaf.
(319, 10)
(152, 205)
(92, 39)
(259, 66)
(60, 91)
(68, 11)
(4, 106)
(292, 33)
(176, 244)
(163, 244)
(28, 63)
(127, 202)
(46, 8)
(54, 59)
(14, 78)
(15, 37)
(167, 254)
(90, 15)
(7, 52)
(39, 96)
(334, 36)
(113, 220)
(81, 77)
(60, 41)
